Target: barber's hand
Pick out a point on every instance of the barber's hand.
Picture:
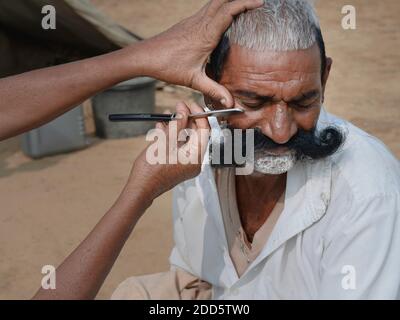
(180, 54)
(155, 179)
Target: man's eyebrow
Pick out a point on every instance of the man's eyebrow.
(306, 96)
(252, 95)
(301, 97)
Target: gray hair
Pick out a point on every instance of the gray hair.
(279, 25)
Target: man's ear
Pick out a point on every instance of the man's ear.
(327, 70)
(325, 77)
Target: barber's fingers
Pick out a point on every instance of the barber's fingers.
(229, 9)
(163, 125)
(212, 89)
(210, 9)
(183, 121)
(202, 129)
(201, 123)
(204, 10)
(160, 125)
(182, 112)
(214, 5)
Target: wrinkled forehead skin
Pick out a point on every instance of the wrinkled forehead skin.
(283, 75)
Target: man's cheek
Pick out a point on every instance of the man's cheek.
(250, 119)
(240, 122)
(307, 120)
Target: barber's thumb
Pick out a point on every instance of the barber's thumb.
(215, 91)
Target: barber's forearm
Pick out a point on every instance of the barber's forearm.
(31, 99)
(178, 55)
(81, 275)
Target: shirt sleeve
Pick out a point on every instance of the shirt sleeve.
(362, 260)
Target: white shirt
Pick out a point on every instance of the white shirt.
(338, 236)
(241, 250)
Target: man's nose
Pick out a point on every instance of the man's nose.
(279, 124)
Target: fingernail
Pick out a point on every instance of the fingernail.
(178, 116)
(223, 101)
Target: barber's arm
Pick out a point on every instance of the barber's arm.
(177, 56)
(81, 275)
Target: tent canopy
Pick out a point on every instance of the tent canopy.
(81, 31)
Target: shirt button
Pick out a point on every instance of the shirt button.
(324, 198)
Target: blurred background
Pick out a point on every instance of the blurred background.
(49, 204)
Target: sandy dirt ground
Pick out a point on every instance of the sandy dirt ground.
(48, 206)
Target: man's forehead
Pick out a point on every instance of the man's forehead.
(280, 66)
